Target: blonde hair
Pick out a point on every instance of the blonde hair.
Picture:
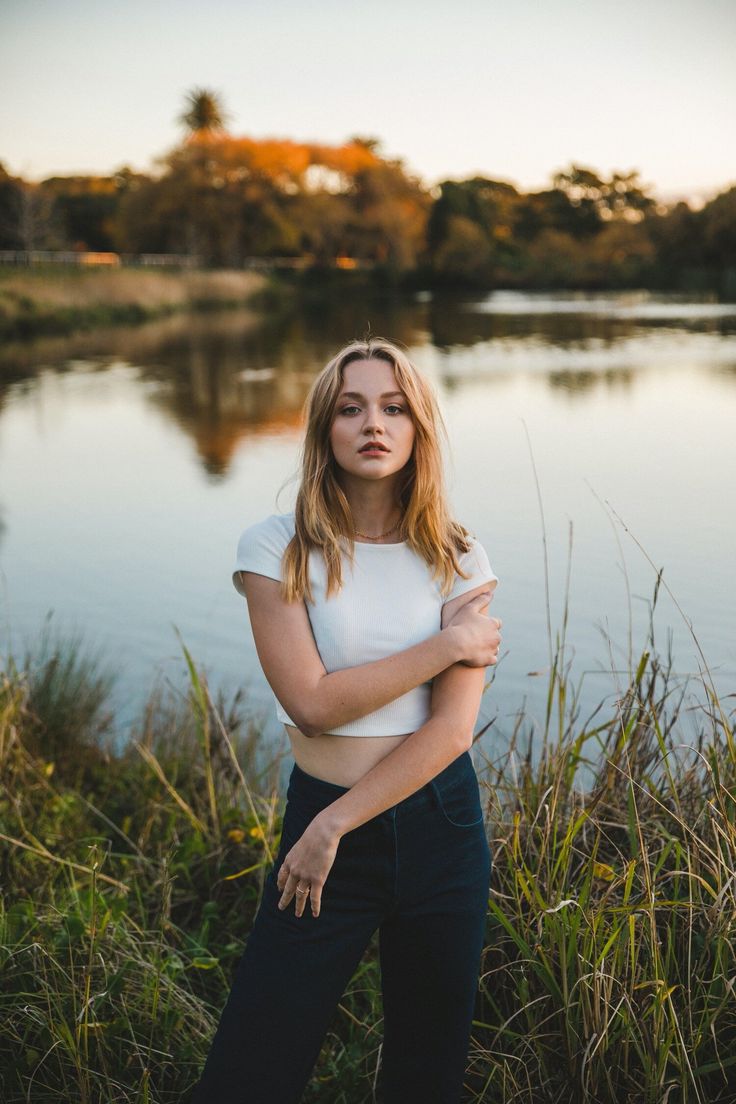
(322, 512)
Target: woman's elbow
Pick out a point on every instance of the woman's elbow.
(307, 723)
(460, 733)
(465, 739)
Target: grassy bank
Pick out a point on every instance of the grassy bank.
(130, 882)
(53, 300)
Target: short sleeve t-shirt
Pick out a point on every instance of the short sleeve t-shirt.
(388, 602)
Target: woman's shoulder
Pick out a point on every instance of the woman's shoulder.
(463, 541)
(474, 547)
(261, 546)
(474, 563)
(274, 525)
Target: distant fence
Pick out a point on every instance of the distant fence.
(28, 257)
(23, 257)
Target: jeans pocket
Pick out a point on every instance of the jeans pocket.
(460, 804)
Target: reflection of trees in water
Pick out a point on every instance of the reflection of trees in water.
(227, 374)
(235, 374)
(569, 380)
(228, 383)
(582, 382)
(310, 331)
(454, 321)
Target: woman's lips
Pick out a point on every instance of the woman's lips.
(374, 452)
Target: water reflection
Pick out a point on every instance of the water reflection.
(132, 457)
(225, 376)
(571, 321)
(580, 381)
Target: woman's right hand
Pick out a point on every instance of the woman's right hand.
(478, 633)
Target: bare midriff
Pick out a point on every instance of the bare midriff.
(340, 759)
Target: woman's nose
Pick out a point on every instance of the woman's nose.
(372, 420)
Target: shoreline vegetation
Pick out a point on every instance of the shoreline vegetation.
(131, 878)
(57, 300)
(222, 201)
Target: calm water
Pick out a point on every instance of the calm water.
(131, 459)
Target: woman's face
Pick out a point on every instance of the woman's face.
(371, 407)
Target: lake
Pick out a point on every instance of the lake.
(596, 430)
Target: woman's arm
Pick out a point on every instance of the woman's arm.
(318, 701)
(456, 697)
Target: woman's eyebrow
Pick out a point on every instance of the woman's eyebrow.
(357, 394)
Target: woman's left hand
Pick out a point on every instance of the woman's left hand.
(307, 864)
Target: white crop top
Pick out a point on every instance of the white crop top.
(389, 602)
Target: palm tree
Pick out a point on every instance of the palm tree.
(368, 143)
(204, 112)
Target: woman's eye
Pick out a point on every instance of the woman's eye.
(391, 406)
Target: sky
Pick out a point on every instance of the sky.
(513, 90)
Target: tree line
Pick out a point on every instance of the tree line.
(225, 199)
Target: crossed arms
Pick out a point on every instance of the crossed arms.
(318, 701)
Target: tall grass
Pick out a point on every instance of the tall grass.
(130, 881)
(609, 967)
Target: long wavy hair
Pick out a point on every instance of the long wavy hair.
(322, 514)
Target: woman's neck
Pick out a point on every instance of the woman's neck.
(374, 505)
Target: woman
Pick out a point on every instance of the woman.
(369, 612)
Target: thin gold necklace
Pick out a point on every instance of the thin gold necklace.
(380, 535)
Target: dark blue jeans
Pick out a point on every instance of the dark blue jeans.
(418, 872)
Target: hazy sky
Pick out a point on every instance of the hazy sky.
(511, 90)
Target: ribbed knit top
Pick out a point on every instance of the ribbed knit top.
(387, 603)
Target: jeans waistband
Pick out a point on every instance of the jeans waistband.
(320, 790)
